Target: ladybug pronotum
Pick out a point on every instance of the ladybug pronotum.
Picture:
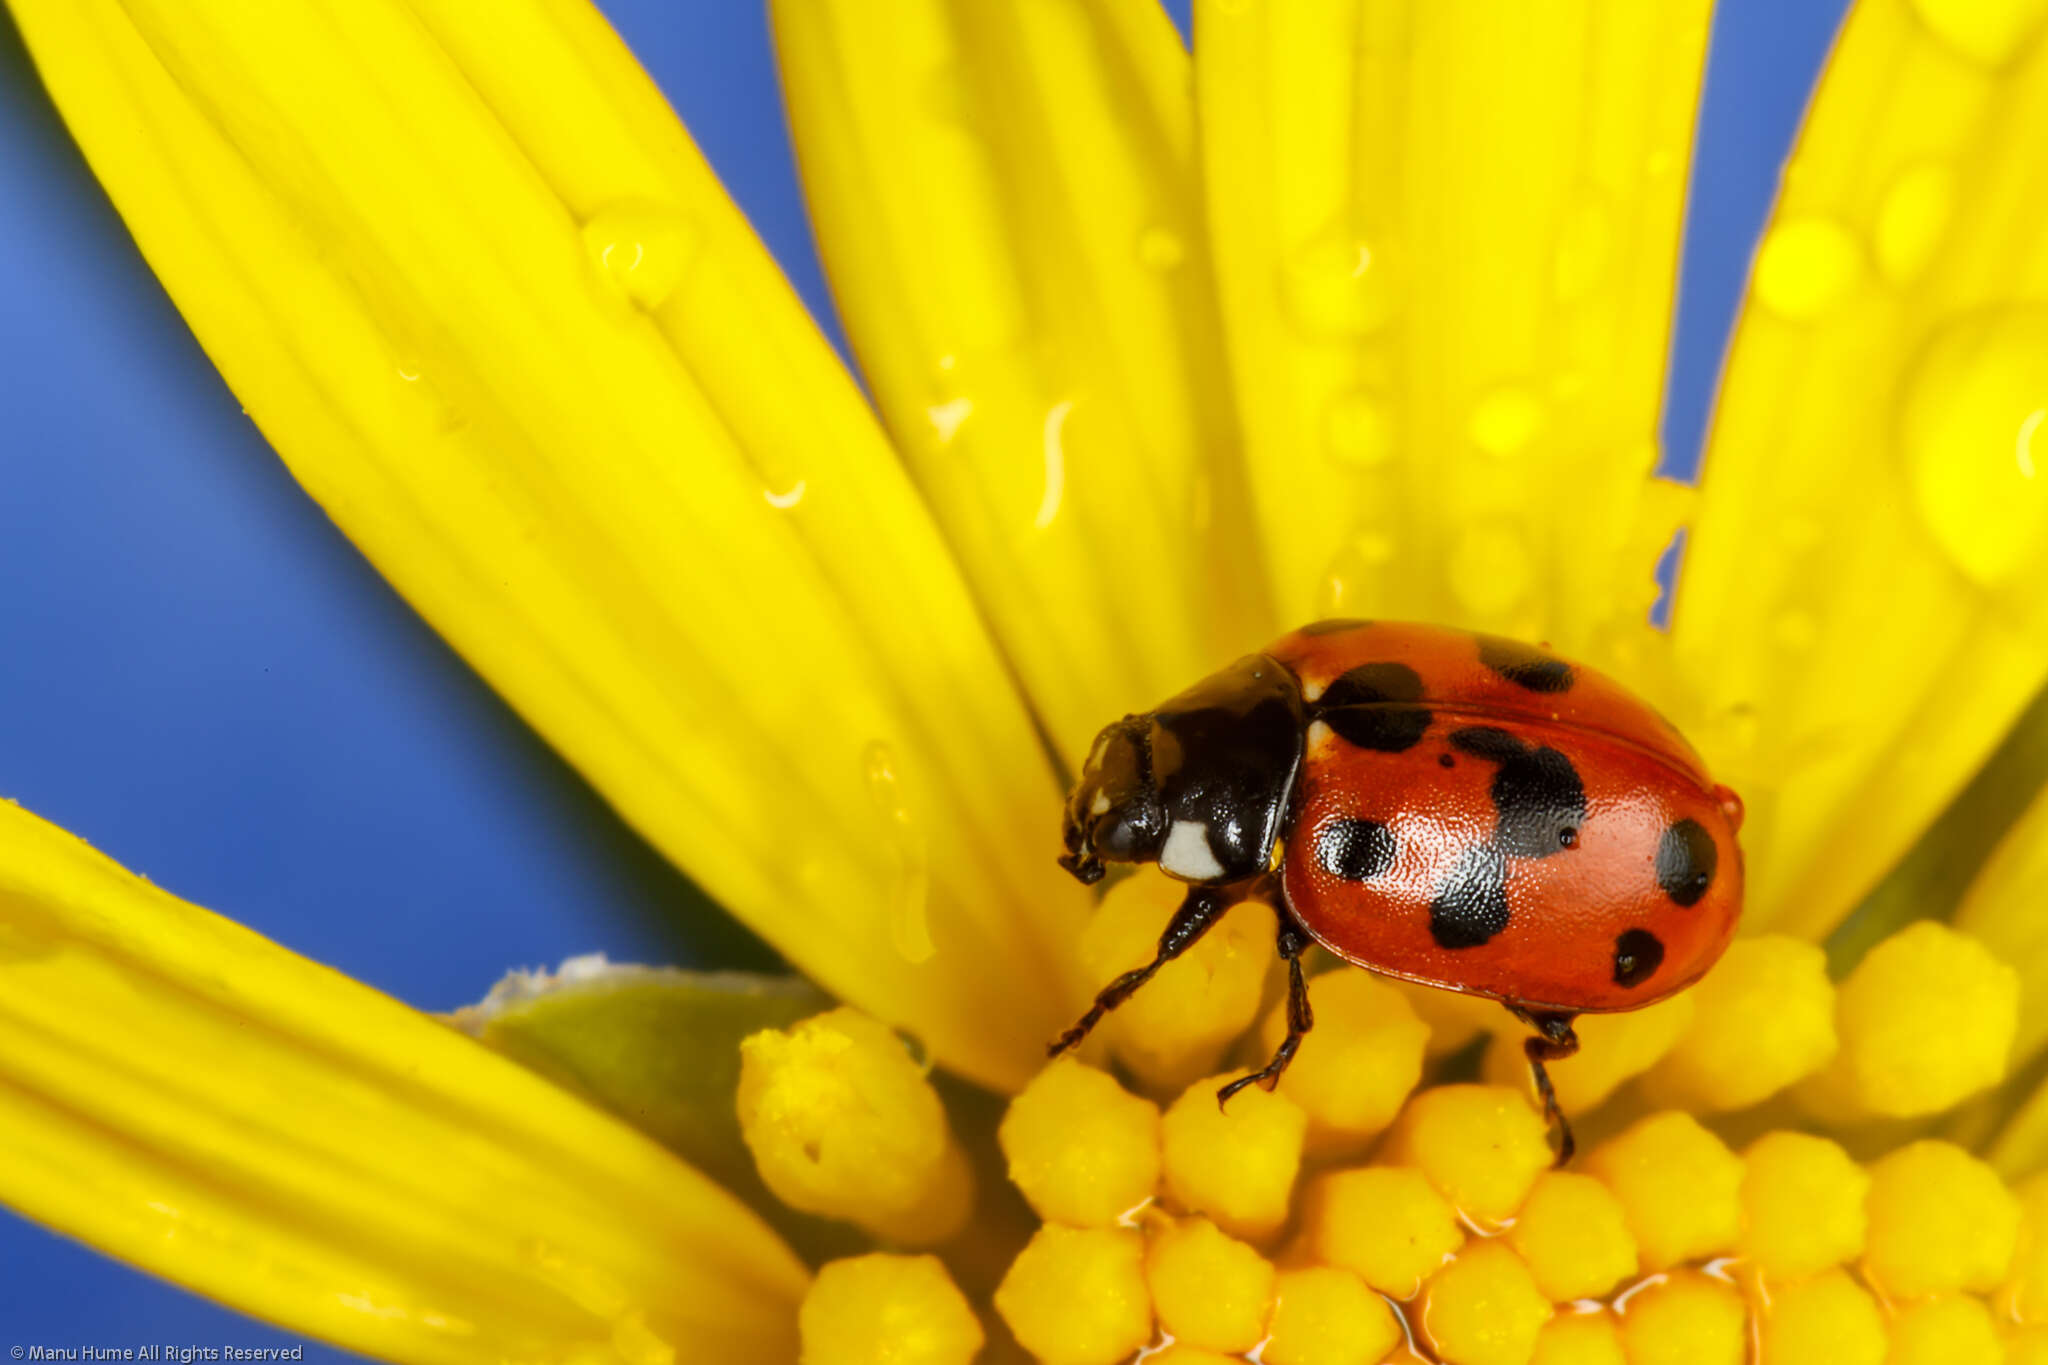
(1454, 809)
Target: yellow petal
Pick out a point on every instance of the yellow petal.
(1859, 617)
(1006, 204)
(1446, 237)
(477, 286)
(189, 1097)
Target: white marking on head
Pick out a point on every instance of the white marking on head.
(1100, 805)
(1187, 854)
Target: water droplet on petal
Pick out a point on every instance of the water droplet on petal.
(785, 497)
(1338, 285)
(1159, 249)
(1360, 563)
(1973, 431)
(1912, 219)
(1358, 430)
(1506, 420)
(1053, 441)
(1807, 266)
(1583, 244)
(1489, 569)
(1988, 32)
(642, 248)
(946, 417)
(909, 921)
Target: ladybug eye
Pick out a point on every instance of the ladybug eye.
(1567, 837)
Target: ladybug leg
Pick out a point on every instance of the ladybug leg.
(1203, 906)
(1554, 1041)
(1300, 1018)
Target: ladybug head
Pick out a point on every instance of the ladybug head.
(1115, 810)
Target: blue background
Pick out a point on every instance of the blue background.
(198, 674)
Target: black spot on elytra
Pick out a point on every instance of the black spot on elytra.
(1685, 862)
(1524, 665)
(1637, 954)
(1537, 792)
(1372, 706)
(1356, 850)
(1472, 904)
(1446, 761)
(1334, 626)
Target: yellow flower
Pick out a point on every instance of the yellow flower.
(1364, 309)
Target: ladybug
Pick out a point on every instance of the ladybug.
(1450, 808)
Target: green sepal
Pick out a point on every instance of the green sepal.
(659, 1048)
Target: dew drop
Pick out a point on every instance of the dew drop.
(1358, 430)
(1360, 563)
(785, 497)
(909, 920)
(946, 417)
(1505, 421)
(1159, 249)
(1973, 432)
(1912, 218)
(642, 248)
(583, 1284)
(1489, 569)
(423, 397)
(1987, 32)
(1583, 244)
(1807, 266)
(1337, 285)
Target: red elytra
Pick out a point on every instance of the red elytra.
(1450, 808)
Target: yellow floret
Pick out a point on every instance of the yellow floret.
(1940, 1221)
(2027, 1346)
(1689, 1319)
(1613, 1049)
(1482, 1146)
(1235, 1164)
(1484, 1308)
(1180, 1024)
(2024, 1296)
(1076, 1296)
(1208, 1289)
(1926, 1020)
(904, 1310)
(1580, 1339)
(1180, 1353)
(1763, 1018)
(1955, 1329)
(1326, 1316)
(1356, 1069)
(1828, 1317)
(1802, 1205)
(1387, 1224)
(1082, 1149)
(843, 1123)
(1680, 1185)
(1574, 1236)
